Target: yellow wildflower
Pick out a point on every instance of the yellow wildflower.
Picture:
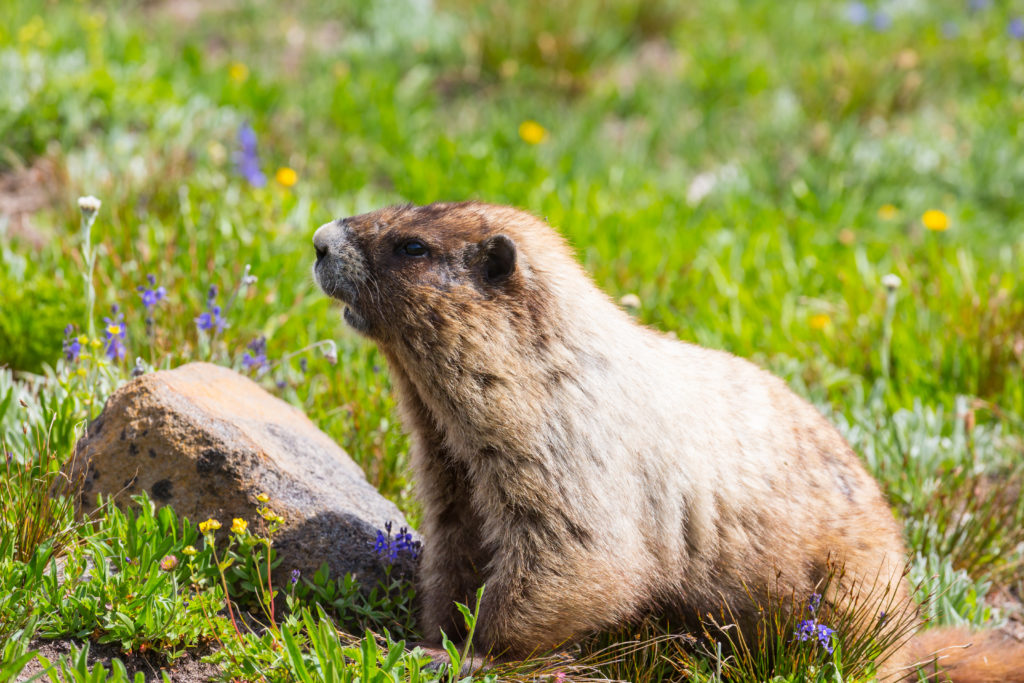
(209, 525)
(217, 153)
(238, 72)
(81, 372)
(96, 343)
(83, 340)
(238, 526)
(28, 32)
(936, 220)
(286, 176)
(168, 563)
(189, 550)
(819, 321)
(509, 68)
(94, 21)
(262, 498)
(887, 212)
(114, 329)
(532, 132)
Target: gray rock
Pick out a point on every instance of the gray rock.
(207, 441)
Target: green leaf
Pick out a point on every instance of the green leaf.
(298, 664)
(394, 654)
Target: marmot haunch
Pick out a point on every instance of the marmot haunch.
(590, 470)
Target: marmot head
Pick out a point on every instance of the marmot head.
(412, 271)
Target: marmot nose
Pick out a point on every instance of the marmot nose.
(320, 245)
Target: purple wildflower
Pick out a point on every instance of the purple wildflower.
(72, 347)
(881, 21)
(392, 549)
(295, 576)
(857, 13)
(809, 629)
(113, 335)
(384, 548)
(212, 319)
(805, 629)
(950, 29)
(247, 159)
(304, 365)
(257, 360)
(979, 5)
(825, 637)
(1016, 28)
(208, 320)
(404, 543)
(151, 295)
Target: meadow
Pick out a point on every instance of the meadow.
(831, 189)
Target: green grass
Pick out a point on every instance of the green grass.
(728, 162)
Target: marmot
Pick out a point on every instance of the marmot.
(588, 469)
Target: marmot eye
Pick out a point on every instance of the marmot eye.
(414, 248)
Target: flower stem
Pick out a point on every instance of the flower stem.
(88, 218)
(329, 343)
(227, 596)
(886, 350)
(270, 591)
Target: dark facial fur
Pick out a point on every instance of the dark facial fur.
(391, 267)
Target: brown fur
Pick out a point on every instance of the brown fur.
(588, 469)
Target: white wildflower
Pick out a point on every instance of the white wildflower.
(89, 204)
(631, 301)
(331, 351)
(891, 282)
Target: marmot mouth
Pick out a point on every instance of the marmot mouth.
(356, 321)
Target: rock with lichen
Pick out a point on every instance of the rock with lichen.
(211, 443)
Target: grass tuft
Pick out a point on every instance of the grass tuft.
(846, 630)
(38, 500)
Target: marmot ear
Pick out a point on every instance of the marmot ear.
(499, 257)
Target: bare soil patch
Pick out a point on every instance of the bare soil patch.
(186, 669)
(24, 192)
